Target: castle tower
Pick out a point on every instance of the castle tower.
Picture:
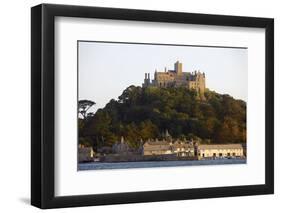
(201, 82)
(178, 67)
(146, 82)
(196, 81)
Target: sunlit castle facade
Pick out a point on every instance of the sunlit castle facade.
(177, 78)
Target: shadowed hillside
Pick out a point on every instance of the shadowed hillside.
(143, 113)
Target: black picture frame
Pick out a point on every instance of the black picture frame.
(43, 102)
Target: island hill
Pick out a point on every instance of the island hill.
(171, 117)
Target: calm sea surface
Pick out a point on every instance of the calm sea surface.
(150, 164)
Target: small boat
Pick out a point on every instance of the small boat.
(96, 159)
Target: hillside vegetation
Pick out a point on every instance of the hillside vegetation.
(143, 113)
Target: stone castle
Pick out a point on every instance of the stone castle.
(177, 78)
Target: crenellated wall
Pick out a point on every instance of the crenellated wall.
(177, 78)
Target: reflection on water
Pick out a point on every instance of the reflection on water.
(150, 164)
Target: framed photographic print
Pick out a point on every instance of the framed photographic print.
(139, 106)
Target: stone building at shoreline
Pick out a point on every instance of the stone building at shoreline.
(190, 149)
(166, 147)
(220, 150)
(85, 153)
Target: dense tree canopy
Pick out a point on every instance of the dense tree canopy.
(143, 113)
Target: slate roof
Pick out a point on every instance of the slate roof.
(220, 146)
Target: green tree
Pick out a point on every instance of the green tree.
(84, 106)
(143, 113)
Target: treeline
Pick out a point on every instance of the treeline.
(143, 113)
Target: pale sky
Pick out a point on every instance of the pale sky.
(106, 69)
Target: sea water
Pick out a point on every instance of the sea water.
(151, 164)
